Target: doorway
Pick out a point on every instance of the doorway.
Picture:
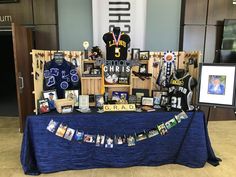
(8, 94)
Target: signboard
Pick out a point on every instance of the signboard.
(119, 107)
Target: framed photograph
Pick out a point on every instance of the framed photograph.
(73, 95)
(144, 55)
(144, 91)
(51, 95)
(132, 99)
(99, 101)
(43, 106)
(147, 101)
(117, 96)
(135, 54)
(66, 109)
(139, 93)
(83, 101)
(157, 97)
(217, 85)
(164, 100)
(88, 67)
(143, 68)
(123, 80)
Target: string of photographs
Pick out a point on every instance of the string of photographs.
(102, 140)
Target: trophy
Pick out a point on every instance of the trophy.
(86, 45)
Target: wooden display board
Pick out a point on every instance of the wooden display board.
(39, 58)
(95, 85)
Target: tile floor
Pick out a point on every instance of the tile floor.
(222, 134)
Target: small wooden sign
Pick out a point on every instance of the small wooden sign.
(119, 107)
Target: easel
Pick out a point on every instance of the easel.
(209, 113)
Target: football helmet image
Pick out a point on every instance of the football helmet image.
(111, 78)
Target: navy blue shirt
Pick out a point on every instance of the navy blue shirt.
(60, 77)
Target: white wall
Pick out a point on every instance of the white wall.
(162, 29)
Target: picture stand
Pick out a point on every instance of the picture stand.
(217, 85)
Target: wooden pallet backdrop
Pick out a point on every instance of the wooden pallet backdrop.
(95, 85)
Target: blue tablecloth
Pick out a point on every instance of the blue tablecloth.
(44, 152)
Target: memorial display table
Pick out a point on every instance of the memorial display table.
(187, 143)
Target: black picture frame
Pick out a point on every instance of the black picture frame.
(88, 68)
(43, 106)
(143, 68)
(144, 55)
(217, 85)
(135, 54)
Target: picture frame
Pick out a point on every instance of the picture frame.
(156, 94)
(164, 100)
(139, 93)
(217, 85)
(88, 68)
(147, 101)
(72, 95)
(144, 55)
(66, 109)
(51, 95)
(99, 101)
(83, 101)
(143, 68)
(117, 96)
(135, 54)
(132, 99)
(43, 106)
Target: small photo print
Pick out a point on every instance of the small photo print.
(162, 129)
(182, 115)
(131, 140)
(109, 142)
(51, 95)
(52, 126)
(69, 134)
(141, 136)
(61, 130)
(153, 132)
(79, 136)
(43, 106)
(100, 140)
(89, 138)
(216, 84)
(171, 123)
(118, 140)
(144, 55)
(178, 119)
(73, 95)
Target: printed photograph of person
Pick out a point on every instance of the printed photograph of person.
(51, 95)
(216, 84)
(43, 106)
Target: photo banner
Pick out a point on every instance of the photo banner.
(129, 15)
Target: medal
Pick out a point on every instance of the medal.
(116, 40)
